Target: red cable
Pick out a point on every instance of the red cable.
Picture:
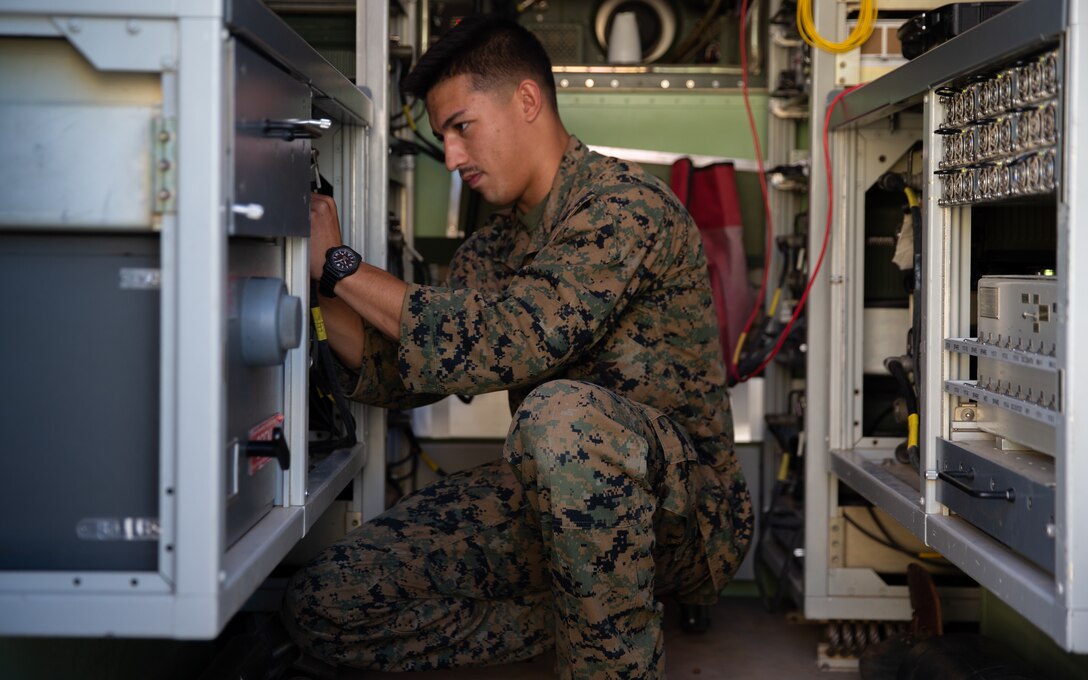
(733, 365)
(827, 234)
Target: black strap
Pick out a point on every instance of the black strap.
(330, 413)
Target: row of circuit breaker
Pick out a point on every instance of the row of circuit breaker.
(1000, 133)
(1000, 141)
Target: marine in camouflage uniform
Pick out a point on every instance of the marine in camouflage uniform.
(589, 301)
(618, 481)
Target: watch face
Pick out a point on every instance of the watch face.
(343, 259)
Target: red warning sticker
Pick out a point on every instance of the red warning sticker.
(262, 432)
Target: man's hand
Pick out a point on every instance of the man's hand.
(324, 231)
(370, 294)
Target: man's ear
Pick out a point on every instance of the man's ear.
(529, 99)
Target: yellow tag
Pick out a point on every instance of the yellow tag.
(912, 429)
(319, 323)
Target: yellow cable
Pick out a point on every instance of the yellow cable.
(408, 114)
(736, 350)
(912, 430)
(784, 467)
(862, 30)
(319, 323)
(912, 198)
(744, 336)
(774, 301)
(430, 462)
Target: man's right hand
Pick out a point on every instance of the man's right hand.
(324, 231)
(370, 294)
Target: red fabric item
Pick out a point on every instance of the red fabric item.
(710, 194)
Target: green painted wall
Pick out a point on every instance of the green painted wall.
(705, 123)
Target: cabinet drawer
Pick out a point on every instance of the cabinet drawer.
(1007, 494)
(271, 148)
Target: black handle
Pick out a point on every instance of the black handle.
(270, 448)
(953, 478)
(291, 129)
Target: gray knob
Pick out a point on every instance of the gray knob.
(271, 321)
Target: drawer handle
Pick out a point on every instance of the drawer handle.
(253, 211)
(294, 128)
(954, 477)
(270, 448)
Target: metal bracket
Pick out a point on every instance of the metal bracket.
(164, 152)
(122, 44)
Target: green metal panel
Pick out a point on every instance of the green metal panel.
(682, 122)
(702, 123)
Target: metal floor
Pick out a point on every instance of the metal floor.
(744, 643)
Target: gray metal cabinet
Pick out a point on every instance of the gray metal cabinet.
(153, 222)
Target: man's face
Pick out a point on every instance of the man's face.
(481, 132)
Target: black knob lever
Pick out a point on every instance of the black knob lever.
(270, 448)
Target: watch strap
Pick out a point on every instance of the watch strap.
(327, 283)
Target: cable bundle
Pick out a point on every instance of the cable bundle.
(864, 28)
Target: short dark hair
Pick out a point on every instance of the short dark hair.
(492, 49)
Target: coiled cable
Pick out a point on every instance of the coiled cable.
(861, 32)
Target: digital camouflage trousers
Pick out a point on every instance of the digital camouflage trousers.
(565, 544)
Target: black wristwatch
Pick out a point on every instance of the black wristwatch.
(340, 261)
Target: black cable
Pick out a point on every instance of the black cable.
(760, 343)
(888, 542)
(328, 406)
(425, 144)
(401, 461)
(396, 489)
(875, 422)
(906, 389)
(771, 604)
(902, 379)
(773, 518)
(399, 421)
(420, 454)
(430, 149)
(888, 535)
(692, 38)
(409, 147)
(330, 413)
(401, 113)
(916, 312)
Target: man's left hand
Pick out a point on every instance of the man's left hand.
(324, 231)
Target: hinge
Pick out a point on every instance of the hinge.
(164, 157)
(836, 541)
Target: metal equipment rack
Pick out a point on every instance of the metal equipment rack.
(128, 114)
(1035, 42)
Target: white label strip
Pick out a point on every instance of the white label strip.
(967, 389)
(1019, 357)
